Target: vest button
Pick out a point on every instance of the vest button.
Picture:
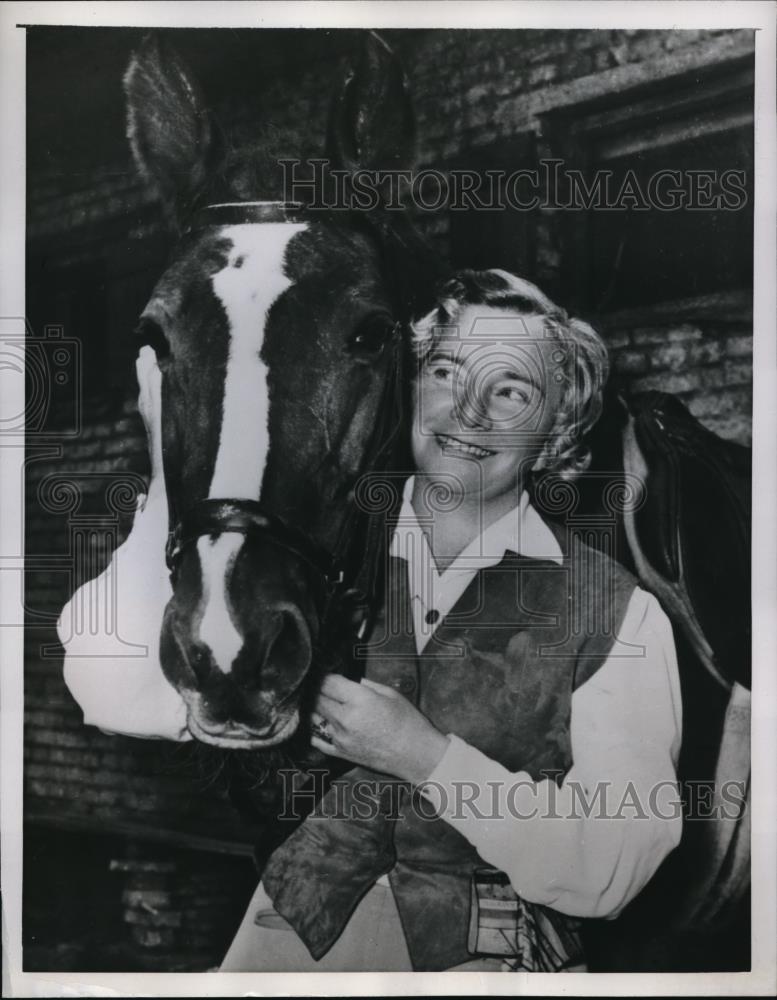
(432, 616)
(405, 684)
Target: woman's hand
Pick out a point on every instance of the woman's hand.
(373, 725)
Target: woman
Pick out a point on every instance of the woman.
(521, 704)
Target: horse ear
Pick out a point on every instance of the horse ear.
(169, 129)
(371, 124)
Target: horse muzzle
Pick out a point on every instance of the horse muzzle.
(235, 736)
(252, 701)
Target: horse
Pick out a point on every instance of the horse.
(280, 334)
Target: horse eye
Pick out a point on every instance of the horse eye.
(371, 336)
(150, 333)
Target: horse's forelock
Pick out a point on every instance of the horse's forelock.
(253, 171)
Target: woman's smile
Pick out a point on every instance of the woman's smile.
(455, 446)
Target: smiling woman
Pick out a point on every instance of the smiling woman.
(515, 679)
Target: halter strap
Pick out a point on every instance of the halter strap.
(240, 213)
(246, 517)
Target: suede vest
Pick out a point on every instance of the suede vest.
(499, 672)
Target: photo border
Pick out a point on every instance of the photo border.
(762, 980)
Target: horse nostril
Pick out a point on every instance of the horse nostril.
(289, 651)
(273, 662)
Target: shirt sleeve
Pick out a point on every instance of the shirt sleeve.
(588, 846)
(111, 625)
(110, 632)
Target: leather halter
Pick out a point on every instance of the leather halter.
(334, 573)
(214, 517)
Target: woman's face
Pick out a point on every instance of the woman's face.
(485, 400)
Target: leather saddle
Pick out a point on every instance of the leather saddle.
(690, 540)
(675, 499)
(684, 531)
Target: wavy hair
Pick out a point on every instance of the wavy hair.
(585, 366)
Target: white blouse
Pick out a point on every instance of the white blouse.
(588, 847)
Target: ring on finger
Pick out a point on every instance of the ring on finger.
(320, 728)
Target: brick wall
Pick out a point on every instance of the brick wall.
(700, 349)
(472, 89)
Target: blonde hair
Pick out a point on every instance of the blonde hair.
(585, 367)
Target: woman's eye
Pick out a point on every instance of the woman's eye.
(514, 395)
(371, 336)
(439, 369)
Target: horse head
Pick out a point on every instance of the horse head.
(278, 330)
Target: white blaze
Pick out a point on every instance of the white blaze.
(247, 287)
